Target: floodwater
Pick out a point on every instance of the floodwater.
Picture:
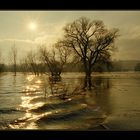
(31, 102)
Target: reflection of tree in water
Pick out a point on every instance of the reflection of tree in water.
(97, 82)
(14, 80)
(67, 95)
(100, 82)
(102, 90)
(100, 94)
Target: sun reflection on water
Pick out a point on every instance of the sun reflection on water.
(45, 111)
(30, 89)
(30, 77)
(38, 82)
(26, 102)
(32, 125)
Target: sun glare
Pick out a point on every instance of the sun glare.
(32, 26)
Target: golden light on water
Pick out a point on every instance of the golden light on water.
(32, 126)
(29, 89)
(26, 102)
(30, 77)
(38, 82)
(36, 86)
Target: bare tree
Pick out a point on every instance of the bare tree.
(91, 41)
(14, 58)
(31, 62)
(55, 59)
(24, 67)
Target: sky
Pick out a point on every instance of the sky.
(29, 29)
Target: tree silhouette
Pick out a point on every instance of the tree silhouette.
(14, 58)
(55, 59)
(91, 41)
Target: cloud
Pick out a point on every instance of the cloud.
(130, 33)
(23, 46)
(16, 40)
(128, 46)
(52, 33)
(128, 43)
(48, 37)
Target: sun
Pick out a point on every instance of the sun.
(32, 26)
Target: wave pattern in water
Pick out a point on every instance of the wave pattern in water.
(27, 102)
(61, 115)
(52, 112)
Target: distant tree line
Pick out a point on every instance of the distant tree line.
(40, 68)
(137, 67)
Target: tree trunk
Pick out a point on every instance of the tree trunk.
(87, 81)
(15, 70)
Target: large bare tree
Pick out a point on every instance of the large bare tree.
(91, 41)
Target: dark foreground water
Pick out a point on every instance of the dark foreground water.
(30, 102)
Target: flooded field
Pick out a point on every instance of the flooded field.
(30, 102)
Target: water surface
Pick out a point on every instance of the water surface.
(27, 102)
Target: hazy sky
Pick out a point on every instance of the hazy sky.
(30, 28)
